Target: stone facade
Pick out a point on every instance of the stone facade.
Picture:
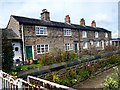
(13, 24)
(55, 37)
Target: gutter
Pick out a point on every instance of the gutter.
(23, 42)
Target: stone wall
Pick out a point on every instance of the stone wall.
(56, 38)
(62, 65)
(13, 24)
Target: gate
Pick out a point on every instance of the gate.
(11, 82)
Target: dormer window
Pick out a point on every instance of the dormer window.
(84, 35)
(40, 30)
(106, 35)
(96, 34)
(67, 32)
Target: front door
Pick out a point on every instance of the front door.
(29, 51)
(76, 49)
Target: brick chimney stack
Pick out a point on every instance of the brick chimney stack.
(82, 21)
(45, 15)
(93, 24)
(67, 19)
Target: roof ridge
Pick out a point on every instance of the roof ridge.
(35, 21)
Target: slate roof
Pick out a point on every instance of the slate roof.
(26, 20)
(10, 34)
(115, 38)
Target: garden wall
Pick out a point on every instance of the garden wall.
(62, 65)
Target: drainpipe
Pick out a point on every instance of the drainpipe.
(79, 43)
(23, 42)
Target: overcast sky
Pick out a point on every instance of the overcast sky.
(104, 12)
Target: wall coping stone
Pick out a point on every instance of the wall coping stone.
(58, 66)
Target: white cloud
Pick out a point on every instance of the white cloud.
(103, 18)
(114, 34)
(90, 10)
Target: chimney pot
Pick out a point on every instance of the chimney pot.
(93, 24)
(82, 21)
(67, 19)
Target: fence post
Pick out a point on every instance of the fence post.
(1, 80)
(28, 80)
(19, 84)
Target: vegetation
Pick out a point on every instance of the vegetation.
(25, 67)
(61, 56)
(57, 57)
(73, 75)
(112, 82)
(110, 48)
(7, 54)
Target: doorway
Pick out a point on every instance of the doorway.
(29, 52)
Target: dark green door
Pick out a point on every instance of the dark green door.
(76, 49)
(29, 51)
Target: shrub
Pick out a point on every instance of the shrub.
(57, 57)
(112, 83)
(101, 52)
(92, 51)
(7, 54)
(110, 48)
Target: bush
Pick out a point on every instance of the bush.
(110, 48)
(7, 54)
(101, 52)
(57, 57)
(90, 51)
(112, 83)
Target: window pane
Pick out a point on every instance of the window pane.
(45, 31)
(42, 46)
(46, 50)
(46, 46)
(41, 31)
(42, 50)
(37, 31)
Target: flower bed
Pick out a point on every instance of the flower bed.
(74, 75)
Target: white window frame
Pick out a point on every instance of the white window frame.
(40, 48)
(68, 47)
(106, 35)
(41, 29)
(96, 34)
(84, 45)
(84, 34)
(67, 32)
(97, 43)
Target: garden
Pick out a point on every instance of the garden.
(61, 56)
(72, 76)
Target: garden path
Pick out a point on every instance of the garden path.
(95, 82)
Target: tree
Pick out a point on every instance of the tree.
(7, 54)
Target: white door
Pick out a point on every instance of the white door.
(17, 51)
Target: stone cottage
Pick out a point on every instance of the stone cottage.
(41, 36)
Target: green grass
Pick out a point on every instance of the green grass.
(83, 56)
(25, 67)
(101, 52)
